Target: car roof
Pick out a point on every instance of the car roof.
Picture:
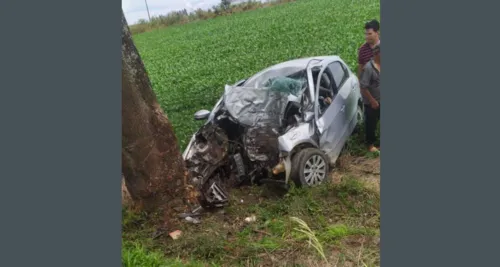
(287, 67)
(300, 62)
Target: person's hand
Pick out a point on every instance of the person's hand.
(374, 104)
(328, 100)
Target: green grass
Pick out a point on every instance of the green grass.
(135, 255)
(343, 221)
(189, 64)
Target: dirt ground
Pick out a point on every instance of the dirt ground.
(364, 168)
(367, 169)
(271, 239)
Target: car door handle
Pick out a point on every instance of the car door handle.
(342, 108)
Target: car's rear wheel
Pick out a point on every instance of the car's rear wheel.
(309, 167)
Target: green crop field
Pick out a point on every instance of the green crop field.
(189, 64)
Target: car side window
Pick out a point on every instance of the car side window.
(339, 73)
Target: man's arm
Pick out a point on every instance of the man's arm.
(369, 96)
(364, 83)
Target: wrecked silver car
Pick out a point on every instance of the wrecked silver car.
(287, 122)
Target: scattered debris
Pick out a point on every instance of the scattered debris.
(175, 234)
(185, 215)
(195, 213)
(250, 219)
(192, 220)
(198, 209)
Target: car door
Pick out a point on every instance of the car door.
(347, 84)
(332, 124)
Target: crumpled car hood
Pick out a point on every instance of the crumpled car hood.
(254, 106)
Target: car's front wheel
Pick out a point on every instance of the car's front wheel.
(360, 116)
(309, 167)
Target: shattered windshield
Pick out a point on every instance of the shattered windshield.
(263, 98)
(260, 80)
(263, 105)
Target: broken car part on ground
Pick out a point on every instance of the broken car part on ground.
(287, 122)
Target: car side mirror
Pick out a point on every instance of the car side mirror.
(201, 114)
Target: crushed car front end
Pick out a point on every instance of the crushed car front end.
(254, 132)
(241, 141)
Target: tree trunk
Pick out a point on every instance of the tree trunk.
(126, 199)
(152, 165)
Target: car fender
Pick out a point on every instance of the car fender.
(299, 135)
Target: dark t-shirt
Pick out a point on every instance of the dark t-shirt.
(370, 79)
(365, 53)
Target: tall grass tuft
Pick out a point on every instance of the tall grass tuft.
(313, 240)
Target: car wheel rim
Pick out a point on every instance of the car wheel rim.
(315, 170)
(360, 115)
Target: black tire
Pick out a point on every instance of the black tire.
(361, 120)
(300, 163)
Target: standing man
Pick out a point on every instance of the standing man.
(370, 88)
(372, 38)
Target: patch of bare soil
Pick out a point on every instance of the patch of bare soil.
(270, 240)
(363, 168)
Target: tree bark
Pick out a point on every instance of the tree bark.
(152, 165)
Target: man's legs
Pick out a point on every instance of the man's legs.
(377, 124)
(371, 119)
